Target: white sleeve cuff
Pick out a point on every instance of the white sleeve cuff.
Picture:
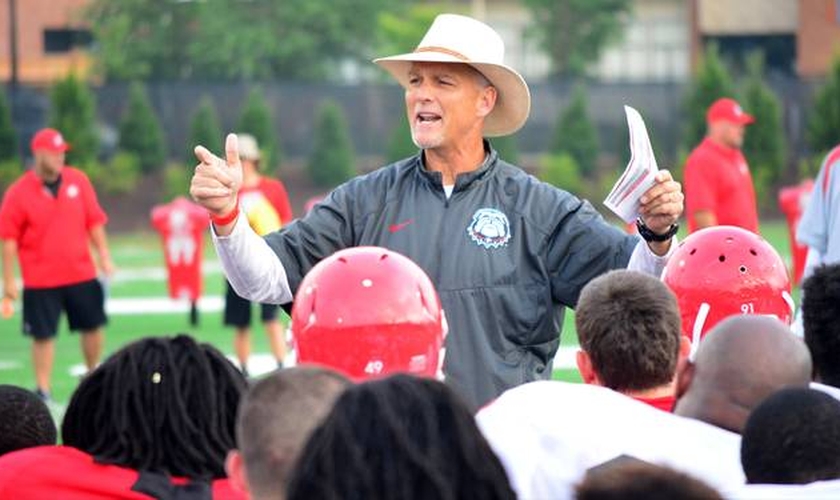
(251, 266)
(644, 260)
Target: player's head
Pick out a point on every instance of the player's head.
(400, 437)
(276, 417)
(628, 477)
(724, 270)
(741, 361)
(249, 151)
(821, 321)
(726, 122)
(628, 326)
(25, 420)
(160, 404)
(792, 437)
(367, 312)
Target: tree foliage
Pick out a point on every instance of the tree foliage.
(400, 144)
(710, 82)
(232, 39)
(332, 159)
(574, 32)
(576, 134)
(256, 119)
(764, 142)
(140, 131)
(8, 137)
(824, 122)
(205, 131)
(73, 113)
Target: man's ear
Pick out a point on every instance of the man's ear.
(685, 376)
(235, 468)
(584, 364)
(487, 100)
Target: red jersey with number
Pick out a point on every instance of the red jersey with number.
(53, 472)
(52, 232)
(275, 192)
(717, 179)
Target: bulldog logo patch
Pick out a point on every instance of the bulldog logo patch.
(489, 228)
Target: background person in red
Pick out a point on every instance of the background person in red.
(718, 184)
(49, 219)
(266, 205)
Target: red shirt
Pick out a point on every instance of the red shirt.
(718, 179)
(52, 232)
(664, 403)
(275, 192)
(62, 472)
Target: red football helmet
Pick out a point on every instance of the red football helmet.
(368, 312)
(726, 270)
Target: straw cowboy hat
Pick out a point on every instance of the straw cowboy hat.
(460, 39)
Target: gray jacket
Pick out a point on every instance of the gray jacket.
(506, 252)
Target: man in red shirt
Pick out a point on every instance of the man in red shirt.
(266, 205)
(718, 185)
(49, 218)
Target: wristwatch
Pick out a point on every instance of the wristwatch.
(649, 235)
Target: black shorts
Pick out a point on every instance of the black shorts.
(238, 310)
(83, 302)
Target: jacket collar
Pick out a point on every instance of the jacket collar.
(464, 180)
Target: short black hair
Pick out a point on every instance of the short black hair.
(25, 420)
(401, 437)
(159, 404)
(792, 437)
(629, 325)
(821, 321)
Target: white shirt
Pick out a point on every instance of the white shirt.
(548, 434)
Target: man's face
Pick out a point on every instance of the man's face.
(48, 164)
(446, 103)
(731, 133)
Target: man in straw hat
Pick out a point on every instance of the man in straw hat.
(506, 252)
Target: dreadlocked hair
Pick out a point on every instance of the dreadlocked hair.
(400, 437)
(160, 404)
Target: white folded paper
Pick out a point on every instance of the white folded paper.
(640, 173)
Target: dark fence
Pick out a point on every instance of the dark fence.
(373, 111)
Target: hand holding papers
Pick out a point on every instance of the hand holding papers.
(640, 173)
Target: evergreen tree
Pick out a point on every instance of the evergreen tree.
(73, 113)
(401, 145)
(331, 162)
(507, 148)
(576, 134)
(8, 137)
(140, 131)
(710, 83)
(256, 119)
(824, 122)
(764, 142)
(205, 131)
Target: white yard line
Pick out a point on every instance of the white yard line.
(161, 305)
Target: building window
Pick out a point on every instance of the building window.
(57, 41)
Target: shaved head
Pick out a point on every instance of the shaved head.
(741, 361)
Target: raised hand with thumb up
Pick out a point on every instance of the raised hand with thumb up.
(216, 182)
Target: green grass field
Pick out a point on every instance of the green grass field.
(139, 261)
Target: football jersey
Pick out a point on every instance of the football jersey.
(62, 472)
(819, 490)
(548, 434)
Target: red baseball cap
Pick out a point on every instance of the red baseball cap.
(729, 110)
(49, 139)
